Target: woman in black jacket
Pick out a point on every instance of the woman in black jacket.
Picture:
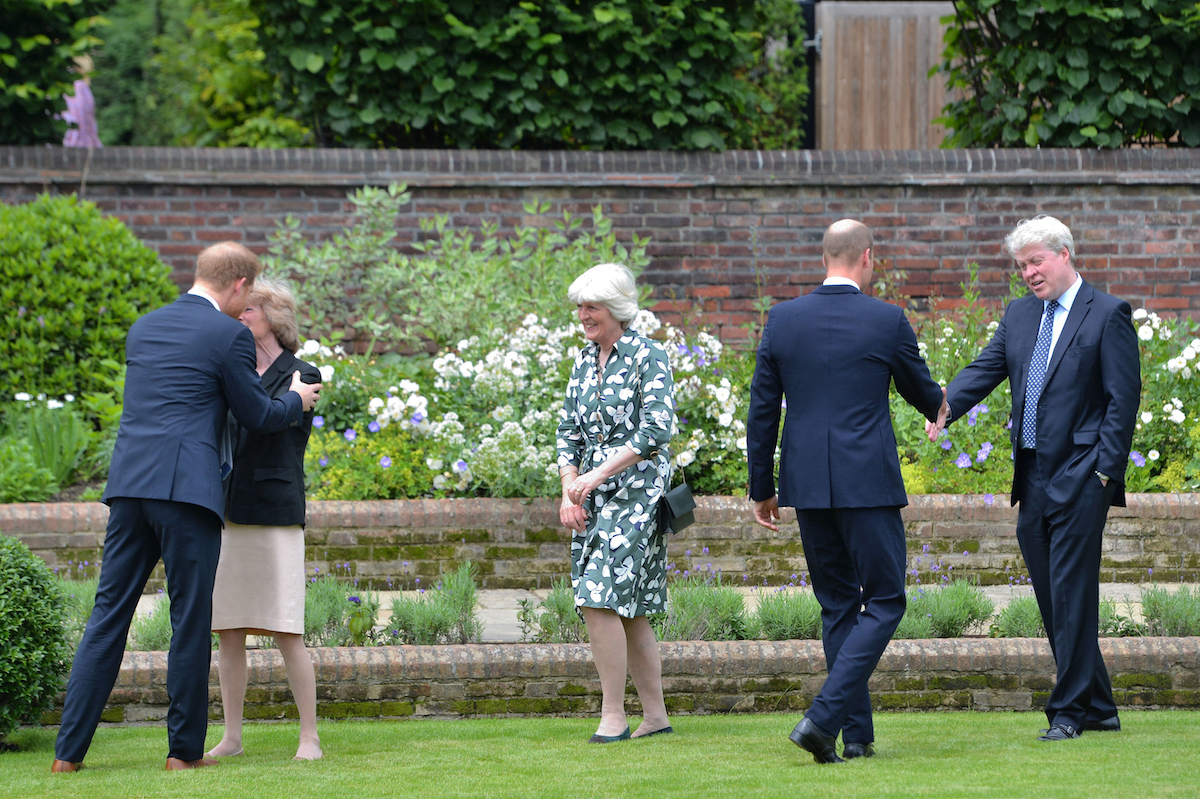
(260, 581)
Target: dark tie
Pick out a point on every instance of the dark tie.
(1037, 377)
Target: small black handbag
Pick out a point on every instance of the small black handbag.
(676, 508)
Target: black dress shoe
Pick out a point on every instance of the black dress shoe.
(1110, 724)
(609, 739)
(851, 751)
(810, 739)
(1059, 732)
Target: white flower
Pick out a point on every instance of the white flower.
(1164, 333)
(1152, 455)
(685, 458)
(435, 464)
(1168, 408)
(326, 373)
(1188, 352)
(1186, 372)
(1147, 417)
(1145, 332)
(439, 482)
(725, 419)
(1177, 402)
(311, 347)
(21, 396)
(1140, 313)
(1175, 364)
(1177, 416)
(69, 397)
(374, 405)
(741, 443)
(53, 404)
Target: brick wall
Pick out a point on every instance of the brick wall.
(482, 680)
(520, 544)
(720, 224)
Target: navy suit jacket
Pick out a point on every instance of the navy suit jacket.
(833, 354)
(1088, 408)
(188, 365)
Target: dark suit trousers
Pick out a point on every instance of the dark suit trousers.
(188, 539)
(1061, 546)
(856, 559)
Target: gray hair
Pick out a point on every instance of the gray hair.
(1041, 229)
(610, 285)
(277, 303)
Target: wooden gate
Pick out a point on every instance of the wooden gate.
(874, 90)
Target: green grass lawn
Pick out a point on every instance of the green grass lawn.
(919, 754)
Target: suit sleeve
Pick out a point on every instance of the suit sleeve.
(911, 373)
(980, 377)
(1121, 378)
(762, 422)
(249, 402)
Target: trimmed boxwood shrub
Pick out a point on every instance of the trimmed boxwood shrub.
(36, 656)
(72, 281)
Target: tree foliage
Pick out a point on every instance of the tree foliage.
(1071, 73)
(38, 39)
(610, 74)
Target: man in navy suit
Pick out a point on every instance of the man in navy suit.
(1070, 355)
(189, 363)
(833, 354)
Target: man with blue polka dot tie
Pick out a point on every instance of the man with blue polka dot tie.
(1070, 355)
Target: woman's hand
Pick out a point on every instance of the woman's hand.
(583, 485)
(572, 515)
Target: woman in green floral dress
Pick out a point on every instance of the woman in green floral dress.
(616, 421)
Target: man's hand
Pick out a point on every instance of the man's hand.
(766, 512)
(309, 392)
(935, 428)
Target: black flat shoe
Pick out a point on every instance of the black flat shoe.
(1059, 732)
(1110, 724)
(812, 740)
(663, 731)
(609, 739)
(851, 751)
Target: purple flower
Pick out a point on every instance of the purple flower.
(355, 600)
(385, 462)
(946, 445)
(963, 460)
(350, 434)
(1137, 458)
(965, 552)
(318, 421)
(373, 427)
(1008, 424)
(459, 466)
(417, 418)
(323, 460)
(21, 312)
(984, 450)
(988, 499)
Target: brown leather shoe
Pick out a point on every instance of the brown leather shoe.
(64, 767)
(175, 764)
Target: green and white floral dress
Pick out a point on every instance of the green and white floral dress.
(619, 561)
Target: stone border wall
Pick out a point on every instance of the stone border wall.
(493, 680)
(723, 227)
(520, 543)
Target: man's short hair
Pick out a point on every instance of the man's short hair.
(223, 263)
(1041, 229)
(845, 241)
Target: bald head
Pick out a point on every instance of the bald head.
(844, 243)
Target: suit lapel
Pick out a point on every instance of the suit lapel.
(1024, 332)
(1079, 309)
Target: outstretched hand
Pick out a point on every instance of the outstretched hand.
(309, 392)
(934, 429)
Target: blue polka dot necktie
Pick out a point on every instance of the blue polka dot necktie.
(1037, 377)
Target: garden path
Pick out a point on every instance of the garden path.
(498, 608)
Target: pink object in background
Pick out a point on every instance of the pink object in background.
(81, 113)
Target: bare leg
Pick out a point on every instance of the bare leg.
(303, 681)
(645, 667)
(231, 668)
(607, 636)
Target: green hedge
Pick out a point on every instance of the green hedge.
(1069, 73)
(617, 74)
(72, 281)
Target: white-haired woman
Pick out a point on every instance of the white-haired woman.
(616, 421)
(259, 588)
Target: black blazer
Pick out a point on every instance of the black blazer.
(189, 365)
(834, 353)
(266, 485)
(1088, 408)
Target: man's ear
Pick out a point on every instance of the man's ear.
(239, 286)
